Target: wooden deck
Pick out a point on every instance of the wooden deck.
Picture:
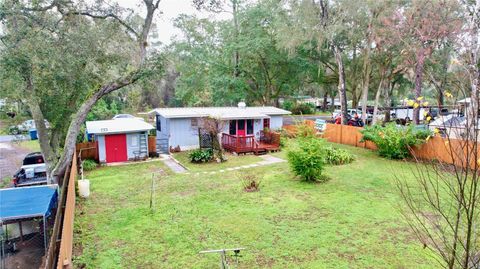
(249, 144)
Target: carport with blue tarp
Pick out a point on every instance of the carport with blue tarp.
(26, 219)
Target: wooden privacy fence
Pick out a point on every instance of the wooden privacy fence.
(87, 150)
(152, 144)
(348, 135)
(451, 151)
(66, 244)
(59, 253)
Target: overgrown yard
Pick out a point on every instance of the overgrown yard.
(351, 221)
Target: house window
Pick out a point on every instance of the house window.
(159, 123)
(233, 127)
(194, 122)
(249, 127)
(266, 123)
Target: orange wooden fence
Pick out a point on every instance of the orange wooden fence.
(450, 151)
(348, 135)
(152, 144)
(66, 244)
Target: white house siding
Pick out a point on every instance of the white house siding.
(276, 122)
(257, 127)
(102, 157)
(180, 132)
(133, 144)
(163, 136)
(183, 134)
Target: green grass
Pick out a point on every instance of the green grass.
(351, 221)
(232, 161)
(31, 145)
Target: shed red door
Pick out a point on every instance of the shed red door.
(116, 148)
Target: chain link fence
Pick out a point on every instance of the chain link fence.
(24, 242)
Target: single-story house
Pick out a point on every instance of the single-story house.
(180, 126)
(120, 140)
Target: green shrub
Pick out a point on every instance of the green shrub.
(394, 141)
(303, 108)
(337, 156)
(305, 130)
(288, 105)
(201, 155)
(307, 159)
(89, 165)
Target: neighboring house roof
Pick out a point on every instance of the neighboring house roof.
(451, 121)
(465, 101)
(224, 113)
(117, 126)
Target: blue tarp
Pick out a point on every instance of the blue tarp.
(27, 202)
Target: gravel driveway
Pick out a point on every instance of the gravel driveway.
(11, 157)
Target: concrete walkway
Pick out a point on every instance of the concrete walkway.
(267, 160)
(173, 164)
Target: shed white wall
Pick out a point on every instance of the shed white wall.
(102, 156)
(133, 144)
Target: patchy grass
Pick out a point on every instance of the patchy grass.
(232, 161)
(31, 145)
(352, 221)
(4, 182)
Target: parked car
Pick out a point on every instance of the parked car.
(351, 113)
(126, 116)
(32, 172)
(25, 127)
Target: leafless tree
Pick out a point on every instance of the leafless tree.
(214, 127)
(443, 202)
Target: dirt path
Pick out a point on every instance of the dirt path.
(11, 157)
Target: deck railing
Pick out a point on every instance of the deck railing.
(239, 144)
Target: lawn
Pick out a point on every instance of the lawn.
(233, 161)
(31, 145)
(351, 221)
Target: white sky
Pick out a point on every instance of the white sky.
(170, 9)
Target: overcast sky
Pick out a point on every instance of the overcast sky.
(170, 9)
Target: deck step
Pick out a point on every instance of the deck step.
(261, 152)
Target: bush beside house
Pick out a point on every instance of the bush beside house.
(394, 142)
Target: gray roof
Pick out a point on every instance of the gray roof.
(225, 113)
(122, 125)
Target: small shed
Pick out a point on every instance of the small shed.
(120, 140)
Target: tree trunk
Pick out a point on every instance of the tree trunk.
(474, 73)
(377, 100)
(341, 83)
(236, 56)
(325, 101)
(366, 75)
(387, 101)
(421, 54)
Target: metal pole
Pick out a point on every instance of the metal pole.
(80, 158)
(44, 236)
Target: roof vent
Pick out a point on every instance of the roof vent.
(242, 105)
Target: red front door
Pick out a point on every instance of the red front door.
(241, 128)
(116, 148)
